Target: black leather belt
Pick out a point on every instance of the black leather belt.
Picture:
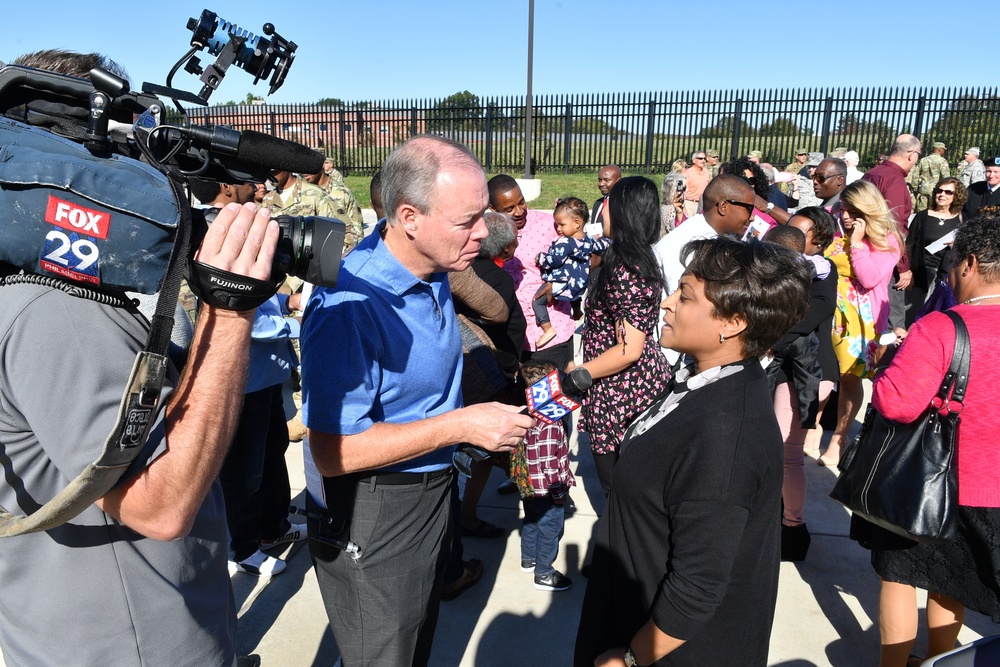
(398, 478)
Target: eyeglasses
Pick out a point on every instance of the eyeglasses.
(944, 192)
(821, 178)
(917, 152)
(742, 204)
(699, 157)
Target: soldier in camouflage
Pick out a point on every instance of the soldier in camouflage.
(794, 168)
(331, 173)
(296, 196)
(346, 205)
(712, 161)
(971, 169)
(925, 176)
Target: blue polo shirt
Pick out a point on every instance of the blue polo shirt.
(382, 346)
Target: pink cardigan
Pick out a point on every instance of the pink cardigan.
(873, 269)
(905, 389)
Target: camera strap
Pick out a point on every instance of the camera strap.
(136, 412)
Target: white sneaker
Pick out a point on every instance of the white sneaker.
(296, 533)
(259, 564)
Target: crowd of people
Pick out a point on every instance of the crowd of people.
(718, 316)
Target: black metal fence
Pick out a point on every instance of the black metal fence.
(641, 132)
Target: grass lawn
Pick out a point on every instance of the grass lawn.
(554, 186)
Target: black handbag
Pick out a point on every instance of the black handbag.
(903, 477)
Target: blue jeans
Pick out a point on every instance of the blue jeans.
(543, 526)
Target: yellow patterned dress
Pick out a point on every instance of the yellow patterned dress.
(855, 340)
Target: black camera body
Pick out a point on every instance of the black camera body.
(86, 167)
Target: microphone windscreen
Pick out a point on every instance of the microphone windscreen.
(277, 154)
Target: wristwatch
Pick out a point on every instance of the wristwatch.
(629, 658)
(770, 205)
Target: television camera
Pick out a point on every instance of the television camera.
(90, 168)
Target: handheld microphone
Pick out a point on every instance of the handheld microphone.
(554, 396)
(549, 400)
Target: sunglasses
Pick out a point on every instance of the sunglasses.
(943, 192)
(700, 157)
(742, 204)
(820, 178)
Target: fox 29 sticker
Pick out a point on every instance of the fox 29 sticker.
(70, 249)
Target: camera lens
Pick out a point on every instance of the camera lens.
(310, 248)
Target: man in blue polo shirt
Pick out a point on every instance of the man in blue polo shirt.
(381, 376)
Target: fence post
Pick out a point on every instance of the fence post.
(413, 120)
(650, 123)
(824, 142)
(918, 124)
(737, 121)
(343, 152)
(489, 138)
(567, 137)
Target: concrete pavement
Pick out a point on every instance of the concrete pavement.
(825, 613)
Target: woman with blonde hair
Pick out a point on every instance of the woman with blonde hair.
(865, 254)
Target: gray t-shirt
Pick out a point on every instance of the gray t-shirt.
(93, 591)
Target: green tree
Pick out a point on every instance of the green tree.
(724, 128)
(330, 102)
(968, 121)
(461, 111)
(594, 126)
(783, 127)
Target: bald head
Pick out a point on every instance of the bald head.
(729, 202)
(905, 151)
(727, 186)
(607, 177)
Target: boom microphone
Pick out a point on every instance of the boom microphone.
(255, 148)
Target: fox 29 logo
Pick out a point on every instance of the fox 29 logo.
(70, 248)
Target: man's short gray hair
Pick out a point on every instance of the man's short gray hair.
(411, 171)
(904, 144)
(695, 153)
(501, 233)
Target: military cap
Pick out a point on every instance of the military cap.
(815, 157)
(756, 154)
(711, 152)
(839, 151)
(801, 151)
(938, 144)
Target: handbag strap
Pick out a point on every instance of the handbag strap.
(958, 371)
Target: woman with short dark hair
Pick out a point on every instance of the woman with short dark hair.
(686, 560)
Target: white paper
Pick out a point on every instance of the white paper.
(940, 244)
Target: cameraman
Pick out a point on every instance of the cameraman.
(140, 578)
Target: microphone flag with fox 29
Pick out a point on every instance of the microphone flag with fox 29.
(546, 400)
(108, 223)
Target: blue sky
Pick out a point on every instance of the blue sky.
(388, 49)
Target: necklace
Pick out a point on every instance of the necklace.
(981, 298)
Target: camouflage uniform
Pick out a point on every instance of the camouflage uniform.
(712, 169)
(335, 176)
(971, 172)
(346, 206)
(792, 168)
(308, 199)
(925, 176)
